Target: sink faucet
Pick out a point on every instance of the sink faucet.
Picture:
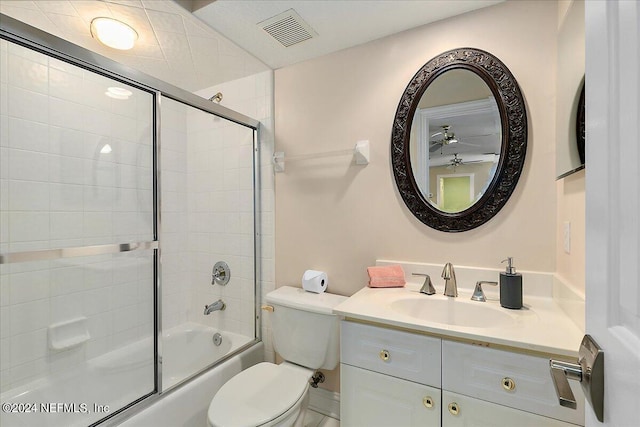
(478, 293)
(427, 288)
(449, 276)
(218, 305)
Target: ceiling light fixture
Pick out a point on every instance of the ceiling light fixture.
(113, 33)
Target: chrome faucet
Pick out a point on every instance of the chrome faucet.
(478, 293)
(218, 305)
(449, 276)
(427, 288)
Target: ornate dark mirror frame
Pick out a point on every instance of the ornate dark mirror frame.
(513, 117)
(581, 126)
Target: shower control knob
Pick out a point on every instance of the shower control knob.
(221, 273)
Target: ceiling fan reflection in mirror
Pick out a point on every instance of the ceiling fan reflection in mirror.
(447, 137)
(457, 161)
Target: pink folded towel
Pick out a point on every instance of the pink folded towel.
(389, 276)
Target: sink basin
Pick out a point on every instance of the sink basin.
(452, 311)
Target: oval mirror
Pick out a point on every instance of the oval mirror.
(581, 126)
(459, 140)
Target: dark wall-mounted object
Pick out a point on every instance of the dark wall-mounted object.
(581, 127)
(513, 118)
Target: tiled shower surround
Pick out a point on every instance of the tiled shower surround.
(206, 216)
(79, 172)
(76, 171)
(254, 96)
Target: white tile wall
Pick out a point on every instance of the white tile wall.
(252, 96)
(207, 204)
(210, 218)
(58, 190)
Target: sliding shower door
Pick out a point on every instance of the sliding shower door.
(207, 218)
(77, 240)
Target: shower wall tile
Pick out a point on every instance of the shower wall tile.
(28, 196)
(29, 286)
(60, 187)
(28, 352)
(27, 135)
(29, 317)
(174, 229)
(233, 203)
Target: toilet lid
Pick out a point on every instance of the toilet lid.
(257, 395)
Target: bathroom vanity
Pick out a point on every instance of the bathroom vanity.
(409, 359)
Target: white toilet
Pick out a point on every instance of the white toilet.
(307, 335)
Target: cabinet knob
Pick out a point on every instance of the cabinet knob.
(454, 409)
(385, 355)
(427, 401)
(508, 384)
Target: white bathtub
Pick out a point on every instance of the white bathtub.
(187, 349)
(187, 404)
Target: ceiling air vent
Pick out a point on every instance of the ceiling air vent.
(288, 28)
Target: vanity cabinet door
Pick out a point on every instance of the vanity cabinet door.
(520, 381)
(464, 411)
(371, 399)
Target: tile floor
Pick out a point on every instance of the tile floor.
(315, 419)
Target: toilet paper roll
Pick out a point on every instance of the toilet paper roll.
(314, 281)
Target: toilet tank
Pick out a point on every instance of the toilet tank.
(305, 330)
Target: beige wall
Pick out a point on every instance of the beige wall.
(571, 208)
(570, 190)
(335, 216)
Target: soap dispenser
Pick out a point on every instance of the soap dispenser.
(510, 286)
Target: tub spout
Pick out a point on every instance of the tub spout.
(218, 305)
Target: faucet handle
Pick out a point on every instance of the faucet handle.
(478, 293)
(427, 287)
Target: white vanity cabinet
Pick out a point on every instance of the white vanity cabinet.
(371, 399)
(388, 377)
(514, 380)
(463, 411)
(398, 378)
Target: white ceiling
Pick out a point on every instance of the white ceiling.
(176, 46)
(339, 23)
(173, 45)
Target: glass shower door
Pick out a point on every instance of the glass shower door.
(78, 242)
(208, 216)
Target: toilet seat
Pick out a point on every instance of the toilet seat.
(258, 395)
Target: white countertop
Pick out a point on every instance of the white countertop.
(541, 326)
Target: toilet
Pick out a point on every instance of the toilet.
(306, 334)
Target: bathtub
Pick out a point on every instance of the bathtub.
(187, 404)
(187, 349)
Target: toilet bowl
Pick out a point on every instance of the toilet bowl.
(306, 335)
(264, 395)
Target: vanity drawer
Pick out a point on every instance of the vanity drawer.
(464, 411)
(401, 354)
(512, 379)
(370, 399)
